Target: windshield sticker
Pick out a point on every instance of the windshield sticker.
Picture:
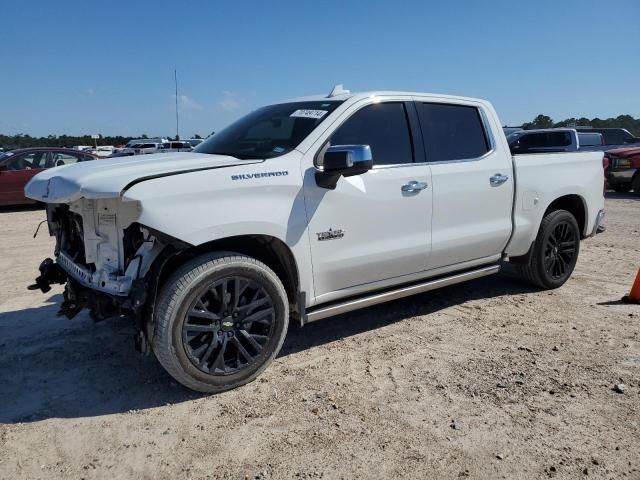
(309, 114)
(279, 149)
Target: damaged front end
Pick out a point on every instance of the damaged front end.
(109, 262)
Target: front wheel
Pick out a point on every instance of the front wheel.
(220, 321)
(554, 253)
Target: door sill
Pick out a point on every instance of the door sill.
(343, 306)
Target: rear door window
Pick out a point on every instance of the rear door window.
(452, 132)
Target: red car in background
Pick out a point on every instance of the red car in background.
(19, 166)
(623, 173)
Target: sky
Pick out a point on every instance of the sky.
(83, 67)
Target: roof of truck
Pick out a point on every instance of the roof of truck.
(346, 94)
(544, 130)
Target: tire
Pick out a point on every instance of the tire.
(636, 184)
(554, 253)
(210, 338)
(622, 187)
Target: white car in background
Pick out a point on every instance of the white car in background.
(177, 146)
(143, 148)
(194, 142)
(138, 141)
(101, 151)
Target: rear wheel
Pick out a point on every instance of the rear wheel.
(636, 184)
(554, 253)
(221, 320)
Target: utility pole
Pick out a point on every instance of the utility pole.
(175, 78)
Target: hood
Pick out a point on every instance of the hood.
(627, 151)
(108, 178)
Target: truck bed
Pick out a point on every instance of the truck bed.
(540, 178)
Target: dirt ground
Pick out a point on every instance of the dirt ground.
(489, 379)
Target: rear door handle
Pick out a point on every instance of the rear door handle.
(414, 186)
(498, 179)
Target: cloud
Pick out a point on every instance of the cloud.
(188, 103)
(231, 101)
(90, 91)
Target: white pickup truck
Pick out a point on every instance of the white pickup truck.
(307, 209)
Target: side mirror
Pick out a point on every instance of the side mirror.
(343, 160)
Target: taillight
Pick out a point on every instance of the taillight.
(605, 167)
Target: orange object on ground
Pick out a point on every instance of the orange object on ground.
(634, 295)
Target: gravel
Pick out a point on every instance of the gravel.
(76, 401)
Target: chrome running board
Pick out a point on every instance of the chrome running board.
(405, 291)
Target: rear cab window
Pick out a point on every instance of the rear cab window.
(590, 139)
(540, 142)
(613, 137)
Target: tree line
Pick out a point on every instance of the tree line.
(22, 140)
(621, 121)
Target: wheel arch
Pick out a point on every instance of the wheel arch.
(270, 250)
(574, 204)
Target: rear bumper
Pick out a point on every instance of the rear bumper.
(621, 176)
(599, 225)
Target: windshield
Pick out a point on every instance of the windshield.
(590, 139)
(269, 131)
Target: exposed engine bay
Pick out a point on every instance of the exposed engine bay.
(103, 256)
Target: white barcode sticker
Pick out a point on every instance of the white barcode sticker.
(309, 113)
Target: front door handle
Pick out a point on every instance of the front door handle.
(414, 186)
(498, 179)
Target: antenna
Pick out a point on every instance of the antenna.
(337, 90)
(175, 78)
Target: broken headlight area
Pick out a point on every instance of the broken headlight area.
(101, 254)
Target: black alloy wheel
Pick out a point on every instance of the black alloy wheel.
(220, 320)
(560, 250)
(554, 253)
(227, 325)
